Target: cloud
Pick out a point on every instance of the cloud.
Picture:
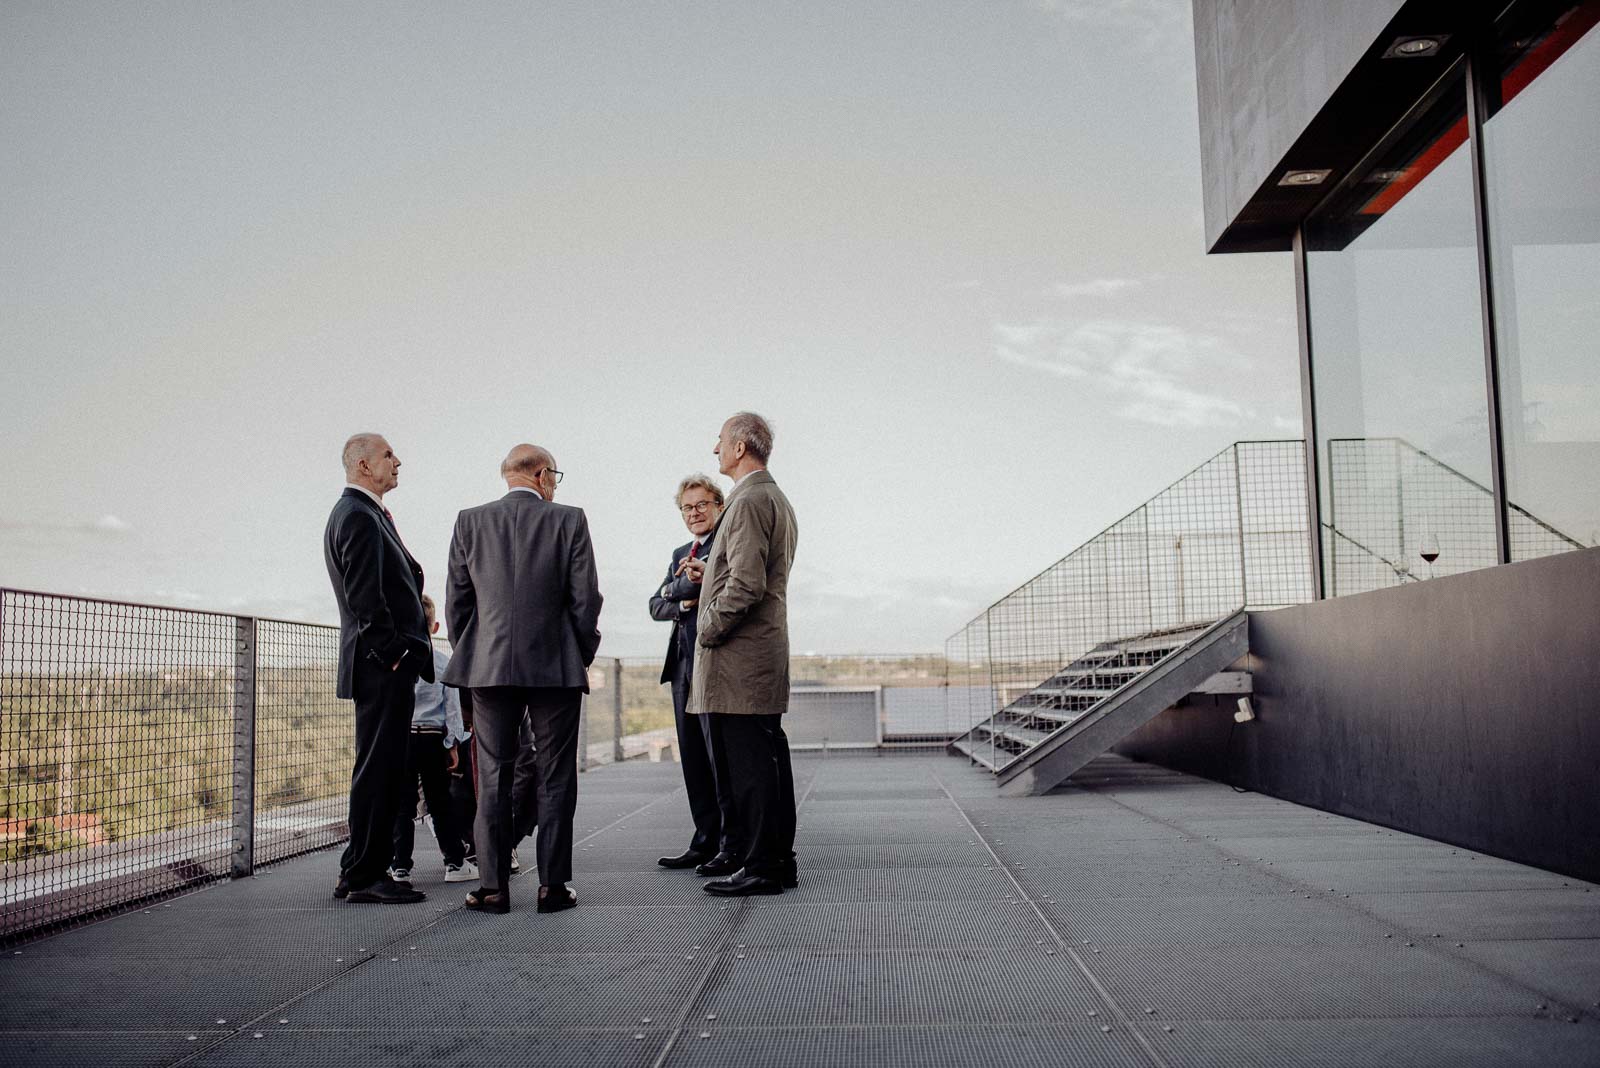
(1156, 22)
(1149, 367)
(105, 526)
(1097, 287)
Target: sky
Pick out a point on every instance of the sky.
(952, 250)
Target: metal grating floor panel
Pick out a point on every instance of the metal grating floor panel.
(897, 987)
(933, 925)
(1058, 1046)
(1447, 1043)
(443, 1047)
(403, 991)
(1256, 981)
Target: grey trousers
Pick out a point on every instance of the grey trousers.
(497, 728)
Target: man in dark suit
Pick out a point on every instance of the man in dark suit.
(383, 649)
(523, 605)
(712, 850)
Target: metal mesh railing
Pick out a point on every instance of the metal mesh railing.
(1389, 502)
(1228, 535)
(304, 741)
(116, 753)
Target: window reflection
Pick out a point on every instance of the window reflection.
(1541, 153)
(1397, 354)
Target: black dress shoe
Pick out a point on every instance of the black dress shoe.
(741, 884)
(687, 859)
(341, 889)
(721, 864)
(385, 892)
(495, 901)
(557, 897)
(791, 874)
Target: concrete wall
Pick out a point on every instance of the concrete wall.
(1466, 709)
(1264, 69)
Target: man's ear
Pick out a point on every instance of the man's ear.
(435, 628)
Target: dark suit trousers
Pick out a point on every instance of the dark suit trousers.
(384, 702)
(704, 777)
(427, 760)
(761, 788)
(498, 713)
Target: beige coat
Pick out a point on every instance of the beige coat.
(742, 666)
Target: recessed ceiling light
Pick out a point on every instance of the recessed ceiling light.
(1385, 177)
(1415, 47)
(1304, 177)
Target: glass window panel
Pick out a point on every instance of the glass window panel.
(1541, 155)
(1397, 355)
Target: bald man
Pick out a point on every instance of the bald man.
(383, 649)
(523, 606)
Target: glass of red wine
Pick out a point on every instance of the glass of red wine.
(1430, 551)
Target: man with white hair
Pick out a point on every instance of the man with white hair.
(741, 673)
(383, 649)
(523, 606)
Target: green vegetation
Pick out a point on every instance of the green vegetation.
(93, 758)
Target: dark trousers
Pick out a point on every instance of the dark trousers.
(704, 777)
(524, 790)
(464, 801)
(384, 702)
(498, 715)
(761, 787)
(427, 761)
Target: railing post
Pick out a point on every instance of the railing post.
(1238, 512)
(244, 749)
(616, 709)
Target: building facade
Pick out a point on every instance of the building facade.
(1434, 169)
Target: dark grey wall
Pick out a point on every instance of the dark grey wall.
(1264, 69)
(1465, 709)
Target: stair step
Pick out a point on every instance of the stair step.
(1027, 737)
(1072, 691)
(981, 753)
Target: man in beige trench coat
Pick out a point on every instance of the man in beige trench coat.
(741, 673)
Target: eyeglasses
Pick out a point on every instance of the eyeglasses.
(694, 509)
(553, 471)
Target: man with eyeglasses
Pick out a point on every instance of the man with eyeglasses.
(523, 606)
(713, 850)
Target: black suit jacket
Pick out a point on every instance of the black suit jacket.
(379, 589)
(664, 605)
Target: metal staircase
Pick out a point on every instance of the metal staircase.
(1147, 611)
(1039, 739)
(1153, 607)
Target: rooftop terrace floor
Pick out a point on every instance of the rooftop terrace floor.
(1135, 917)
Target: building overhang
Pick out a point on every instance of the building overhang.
(1294, 96)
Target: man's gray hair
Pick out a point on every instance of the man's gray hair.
(754, 431)
(705, 482)
(358, 448)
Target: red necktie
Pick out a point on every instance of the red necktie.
(694, 550)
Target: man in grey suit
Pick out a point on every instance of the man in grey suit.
(523, 605)
(741, 673)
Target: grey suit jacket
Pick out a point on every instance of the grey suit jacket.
(742, 666)
(522, 600)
